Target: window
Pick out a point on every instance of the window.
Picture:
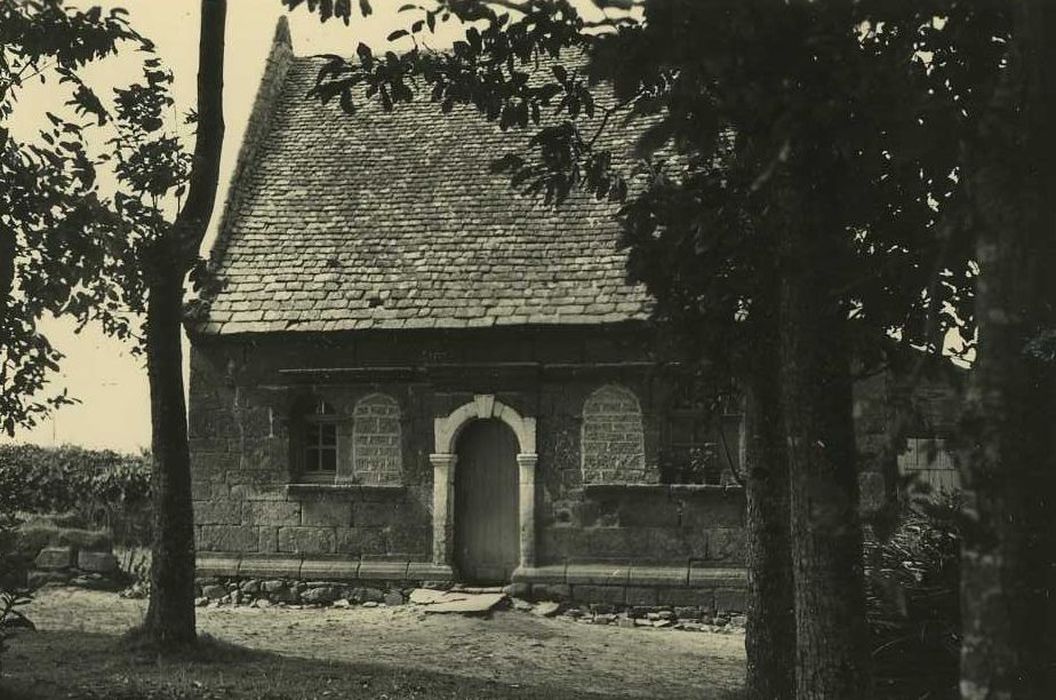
(318, 453)
(930, 462)
(701, 443)
(612, 445)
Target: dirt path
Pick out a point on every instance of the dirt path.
(507, 652)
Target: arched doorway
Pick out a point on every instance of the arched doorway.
(486, 502)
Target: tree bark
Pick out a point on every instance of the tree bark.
(831, 636)
(1008, 586)
(170, 616)
(770, 639)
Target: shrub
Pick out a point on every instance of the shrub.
(101, 488)
(11, 618)
(12, 569)
(913, 584)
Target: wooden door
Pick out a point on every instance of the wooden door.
(487, 547)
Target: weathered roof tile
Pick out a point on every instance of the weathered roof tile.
(393, 220)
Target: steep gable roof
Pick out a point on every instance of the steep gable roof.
(393, 220)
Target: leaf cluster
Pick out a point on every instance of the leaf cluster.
(75, 222)
(845, 120)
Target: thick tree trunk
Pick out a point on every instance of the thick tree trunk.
(1008, 590)
(170, 615)
(770, 638)
(831, 637)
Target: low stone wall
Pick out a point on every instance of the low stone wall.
(291, 579)
(68, 564)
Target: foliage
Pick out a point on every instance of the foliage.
(913, 588)
(11, 617)
(68, 245)
(92, 483)
(757, 103)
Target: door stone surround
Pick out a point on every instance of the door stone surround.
(446, 430)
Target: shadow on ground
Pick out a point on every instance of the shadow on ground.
(71, 664)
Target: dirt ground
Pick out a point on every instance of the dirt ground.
(382, 652)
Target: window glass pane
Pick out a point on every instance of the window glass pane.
(311, 434)
(731, 426)
(329, 435)
(311, 459)
(328, 460)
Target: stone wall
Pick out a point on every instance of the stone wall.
(249, 499)
(247, 495)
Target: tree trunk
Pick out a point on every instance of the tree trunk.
(170, 614)
(831, 636)
(1008, 588)
(770, 639)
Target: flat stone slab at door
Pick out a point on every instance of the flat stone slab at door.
(426, 596)
(465, 603)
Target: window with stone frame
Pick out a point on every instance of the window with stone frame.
(612, 445)
(377, 455)
(929, 462)
(315, 444)
(701, 442)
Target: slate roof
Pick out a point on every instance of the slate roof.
(392, 220)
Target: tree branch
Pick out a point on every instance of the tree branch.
(193, 220)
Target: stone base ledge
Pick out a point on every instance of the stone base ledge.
(616, 585)
(692, 575)
(292, 566)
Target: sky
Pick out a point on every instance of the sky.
(111, 384)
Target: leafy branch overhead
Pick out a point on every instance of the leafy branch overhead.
(75, 219)
(734, 105)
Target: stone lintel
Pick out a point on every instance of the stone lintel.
(640, 575)
(270, 566)
(330, 569)
(217, 564)
(554, 573)
(346, 488)
(701, 576)
(427, 571)
(615, 574)
(384, 570)
(670, 576)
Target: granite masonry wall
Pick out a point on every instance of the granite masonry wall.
(249, 499)
(637, 542)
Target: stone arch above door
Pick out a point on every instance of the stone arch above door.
(446, 429)
(445, 432)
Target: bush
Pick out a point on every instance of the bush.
(12, 568)
(913, 588)
(100, 488)
(11, 617)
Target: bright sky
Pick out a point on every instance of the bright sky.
(111, 384)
